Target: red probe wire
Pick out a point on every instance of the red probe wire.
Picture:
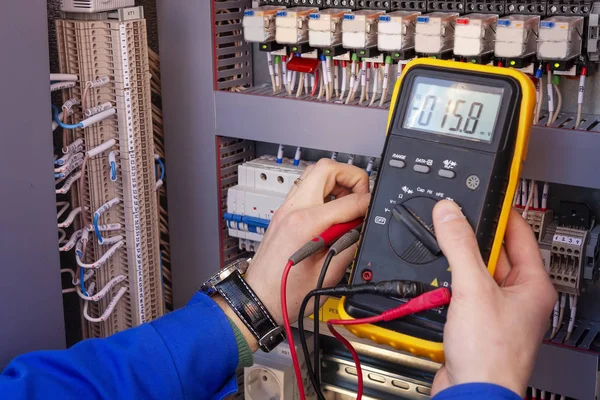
(329, 236)
(288, 329)
(427, 301)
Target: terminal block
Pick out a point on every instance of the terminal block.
(569, 7)
(435, 34)
(567, 259)
(384, 5)
(262, 187)
(536, 7)
(292, 25)
(545, 243)
(304, 3)
(516, 39)
(396, 34)
(284, 3)
(593, 33)
(485, 6)
(592, 256)
(451, 5)
(359, 31)
(560, 41)
(539, 222)
(474, 37)
(339, 4)
(259, 24)
(402, 5)
(325, 28)
(115, 46)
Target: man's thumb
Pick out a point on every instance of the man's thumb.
(457, 241)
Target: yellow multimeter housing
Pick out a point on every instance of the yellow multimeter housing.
(455, 131)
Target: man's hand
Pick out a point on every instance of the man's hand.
(306, 213)
(495, 325)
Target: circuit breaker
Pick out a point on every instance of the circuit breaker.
(263, 185)
(435, 34)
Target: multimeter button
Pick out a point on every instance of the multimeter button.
(422, 169)
(397, 163)
(446, 173)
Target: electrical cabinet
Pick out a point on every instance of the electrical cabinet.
(231, 107)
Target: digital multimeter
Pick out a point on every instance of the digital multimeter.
(456, 131)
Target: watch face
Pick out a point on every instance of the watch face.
(240, 266)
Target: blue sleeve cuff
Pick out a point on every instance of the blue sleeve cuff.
(191, 335)
(477, 391)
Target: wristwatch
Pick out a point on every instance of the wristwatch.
(232, 287)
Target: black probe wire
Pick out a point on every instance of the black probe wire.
(399, 289)
(303, 342)
(317, 306)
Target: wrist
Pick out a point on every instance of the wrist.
(248, 336)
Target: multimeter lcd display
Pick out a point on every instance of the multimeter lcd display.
(454, 108)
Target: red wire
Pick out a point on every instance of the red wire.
(348, 346)
(288, 329)
(314, 89)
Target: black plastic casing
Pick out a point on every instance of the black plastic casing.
(490, 162)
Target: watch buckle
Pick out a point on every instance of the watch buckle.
(270, 336)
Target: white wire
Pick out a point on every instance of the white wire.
(375, 86)
(111, 240)
(555, 313)
(62, 237)
(540, 100)
(271, 70)
(70, 218)
(580, 95)
(102, 293)
(336, 80)
(573, 301)
(344, 82)
(550, 90)
(529, 199)
(545, 196)
(64, 207)
(72, 241)
(558, 102)
(111, 306)
(384, 87)
(107, 206)
(68, 165)
(100, 262)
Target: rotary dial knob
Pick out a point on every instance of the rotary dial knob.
(411, 232)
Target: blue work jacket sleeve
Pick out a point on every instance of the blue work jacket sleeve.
(187, 354)
(477, 391)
